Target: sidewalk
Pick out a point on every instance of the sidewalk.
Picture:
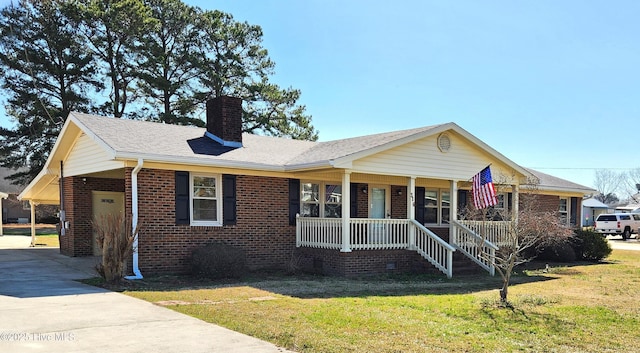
(44, 309)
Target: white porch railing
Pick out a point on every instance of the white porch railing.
(433, 248)
(376, 234)
(379, 234)
(479, 250)
(496, 232)
(322, 233)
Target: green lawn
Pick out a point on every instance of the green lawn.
(578, 308)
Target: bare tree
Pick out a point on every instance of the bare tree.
(631, 185)
(530, 228)
(608, 182)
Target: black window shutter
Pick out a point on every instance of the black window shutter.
(182, 198)
(462, 201)
(510, 201)
(228, 199)
(354, 201)
(574, 211)
(420, 204)
(294, 200)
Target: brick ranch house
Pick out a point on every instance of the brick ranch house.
(370, 204)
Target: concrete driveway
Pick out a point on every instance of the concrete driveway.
(43, 309)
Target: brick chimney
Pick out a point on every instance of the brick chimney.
(224, 120)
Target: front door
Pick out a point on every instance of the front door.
(104, 203)
(379, 209)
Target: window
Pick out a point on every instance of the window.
(437, 205)
(206, 205)
(333, 201)
(564, 209)
(501, 198)
(310, 201)
(321, 200)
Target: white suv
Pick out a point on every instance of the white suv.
(618, 223)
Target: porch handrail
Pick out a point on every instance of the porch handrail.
(474, 246)
(430, 246)
(496, 232)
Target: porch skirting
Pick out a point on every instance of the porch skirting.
(363, 262)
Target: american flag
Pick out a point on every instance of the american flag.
(484, 193)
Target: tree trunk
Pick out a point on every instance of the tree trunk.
(503, 292)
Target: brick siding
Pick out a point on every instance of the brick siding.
(262, 229)
(77, 240)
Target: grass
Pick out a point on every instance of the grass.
(48, 240)
(578, 308)
(46, 235)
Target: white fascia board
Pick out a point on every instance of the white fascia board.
(3, 195)
(92, 136)
(198, 162)
(492, 151)
(44, 176)
(347, 160)
(561, 189)
(309, 166)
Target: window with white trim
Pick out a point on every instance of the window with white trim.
(564, 209)
(437, 203)
(321, 200)
(206, 199)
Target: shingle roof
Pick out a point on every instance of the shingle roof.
(174, 142)
(547, 181)
(325, 151)
(154, 139)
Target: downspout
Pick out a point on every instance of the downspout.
(134, 219)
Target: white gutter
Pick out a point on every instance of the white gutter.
(134, 218)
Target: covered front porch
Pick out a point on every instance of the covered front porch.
(389, 224)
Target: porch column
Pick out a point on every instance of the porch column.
(346, 211)
(411, 210)
(2, 196)
(33, 223)
(515, 208)
(453, 210)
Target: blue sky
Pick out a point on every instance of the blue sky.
(552, 85)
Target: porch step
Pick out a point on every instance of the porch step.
(463, 265)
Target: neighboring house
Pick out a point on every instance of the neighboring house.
(19, 211)
(591, 208)
(629, 208)
(370, 204)
(13, 210)
(631, 205)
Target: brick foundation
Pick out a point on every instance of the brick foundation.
(362, 263)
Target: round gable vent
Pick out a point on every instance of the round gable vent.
(444, 142)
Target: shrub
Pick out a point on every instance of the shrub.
(115, 239)
(590, 245)
(218, 261)
(559, 252)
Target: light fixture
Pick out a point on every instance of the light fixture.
(364, 189)
(84, 180)
(399, 192)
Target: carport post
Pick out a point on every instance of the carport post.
(2, 196)
(33, 223)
